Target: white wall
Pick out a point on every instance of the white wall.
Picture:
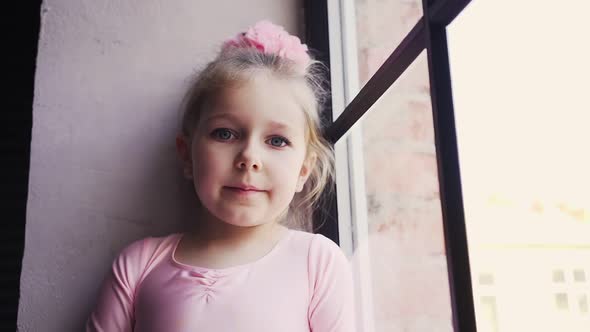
(103, 166)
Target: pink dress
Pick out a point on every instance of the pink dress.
(303, 284)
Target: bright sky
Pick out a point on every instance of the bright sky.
(521, 89)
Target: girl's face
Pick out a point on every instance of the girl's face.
(248, 153)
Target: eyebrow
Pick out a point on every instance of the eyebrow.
(229, 116)
(279, 125)
(221, 116)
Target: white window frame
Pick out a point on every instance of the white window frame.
(350, 173)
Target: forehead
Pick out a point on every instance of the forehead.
(261, 100)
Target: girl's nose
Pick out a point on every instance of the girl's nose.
(246, 165)
(248, 159)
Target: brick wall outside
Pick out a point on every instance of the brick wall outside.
(406, 244)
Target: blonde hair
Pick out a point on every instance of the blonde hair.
(235, 66)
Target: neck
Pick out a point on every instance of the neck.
(211, 232)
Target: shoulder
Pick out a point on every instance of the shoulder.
(322, 253)
(331, 282)
(326, 257)
(321, 245)
(147, 246)
(138, 254)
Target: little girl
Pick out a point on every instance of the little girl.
(251, 144)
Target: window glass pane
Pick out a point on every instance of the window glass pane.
(561, 301)
(583, 302)
(486, 279)
(488, 311)
(381, 26)
(579, 275)
(520, 95)
(558, 276)
(408, 282)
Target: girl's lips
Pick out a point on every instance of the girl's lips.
(242, 191)
(245, 187)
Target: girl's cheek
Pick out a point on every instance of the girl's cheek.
(293, 158)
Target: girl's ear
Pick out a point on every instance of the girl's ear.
(305, 171)
(183, 151)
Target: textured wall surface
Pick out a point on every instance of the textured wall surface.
(103, 166)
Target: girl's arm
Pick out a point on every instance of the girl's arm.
(114, 310)
(332, 304)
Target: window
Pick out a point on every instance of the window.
(488, 313)
(571, 293)
(399, 223)
(486, 279)
(391, 74)
(579, 275)
(561, 301)
(558, 276)
(583, 303)
(486, 309)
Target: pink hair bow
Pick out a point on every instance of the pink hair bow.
(272, 39)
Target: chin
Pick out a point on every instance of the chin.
(242, 220)
(244, 223)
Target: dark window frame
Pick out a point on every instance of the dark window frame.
(429, 33)
(22, 20)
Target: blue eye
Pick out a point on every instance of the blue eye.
(223, 134)
(279, 142)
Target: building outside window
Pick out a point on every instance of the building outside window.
(521, 132)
